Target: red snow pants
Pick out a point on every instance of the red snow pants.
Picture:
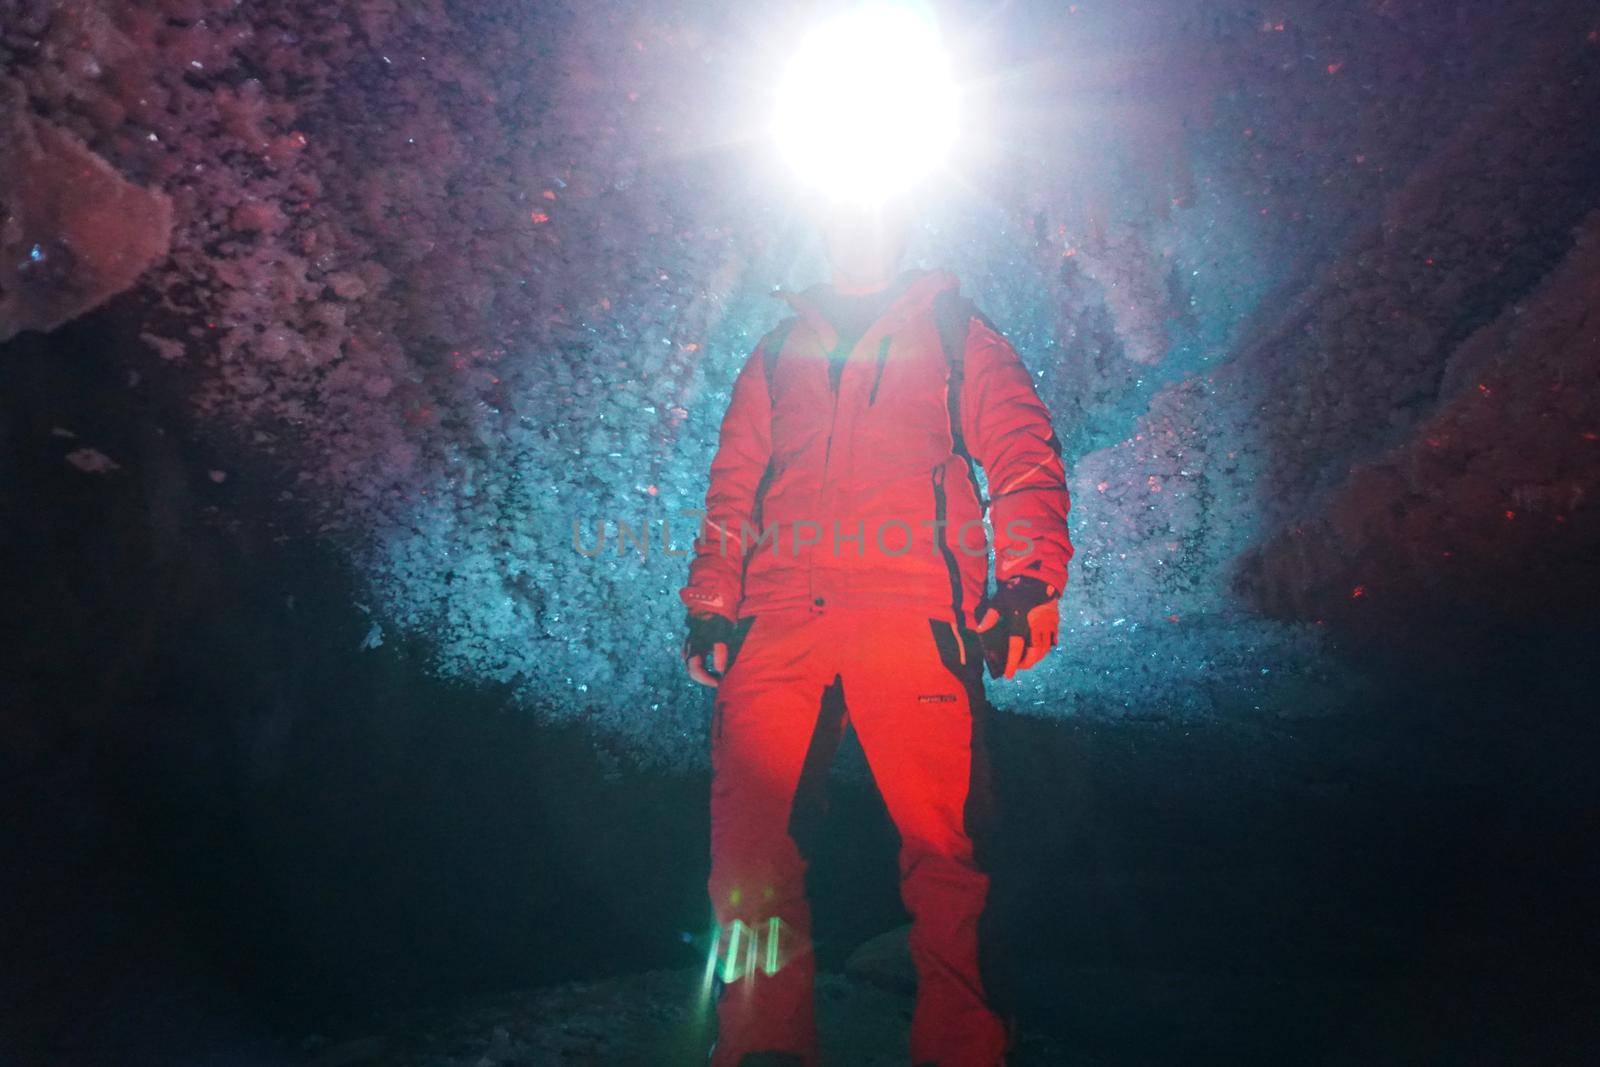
(912, 689)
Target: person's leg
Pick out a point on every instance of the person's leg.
(768, 728)
(917, 709)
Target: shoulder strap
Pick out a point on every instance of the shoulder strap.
(952, 314)
(771, 349)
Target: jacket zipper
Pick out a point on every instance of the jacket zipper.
(827, 456)
(833, 416)
(941, 516)
(877, 378)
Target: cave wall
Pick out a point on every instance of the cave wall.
(459, 276)
(1485, 507)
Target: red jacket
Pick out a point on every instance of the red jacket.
(866, 497)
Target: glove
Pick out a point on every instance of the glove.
(1018, 624)
(708, 636)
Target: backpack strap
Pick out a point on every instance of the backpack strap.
(953, 314)
(771, 349)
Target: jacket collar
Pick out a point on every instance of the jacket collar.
(918, 288)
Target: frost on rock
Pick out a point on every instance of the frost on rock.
(165, 347)
(92, 461)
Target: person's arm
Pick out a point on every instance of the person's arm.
(1007, 431)
(716, 571)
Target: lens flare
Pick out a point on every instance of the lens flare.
(867, 106)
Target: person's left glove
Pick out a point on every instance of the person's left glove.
(708, 635)
(1018, 624)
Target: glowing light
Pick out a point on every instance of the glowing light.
(772, 961)
(750, 950)
(867, 107)
(709, 978)
(733, 969)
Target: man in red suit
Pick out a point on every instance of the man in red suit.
(842, 574)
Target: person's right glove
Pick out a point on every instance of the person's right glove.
(708, 636)
(1018, 624)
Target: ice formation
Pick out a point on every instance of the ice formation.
(474, 274)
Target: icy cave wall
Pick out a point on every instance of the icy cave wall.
(471, 273)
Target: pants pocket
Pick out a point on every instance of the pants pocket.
(959, 651)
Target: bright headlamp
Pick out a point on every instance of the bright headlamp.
(867, 106)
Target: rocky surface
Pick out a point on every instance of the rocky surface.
(654, 1019)
(74, 232)
(1489, 506)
